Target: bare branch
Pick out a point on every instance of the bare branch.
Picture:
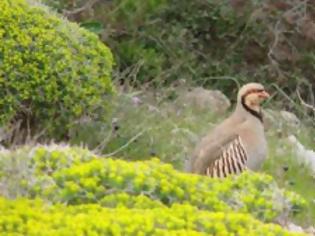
(303, 103)
(87, 6)
(277, 32)
(104, 143)
(298, 10)
(125, 145)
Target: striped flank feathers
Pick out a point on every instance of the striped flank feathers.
(231, 161)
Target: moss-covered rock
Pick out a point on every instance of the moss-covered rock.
(51, 71)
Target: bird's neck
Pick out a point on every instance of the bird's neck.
(253, 110)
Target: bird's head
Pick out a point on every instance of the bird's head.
(251, 95)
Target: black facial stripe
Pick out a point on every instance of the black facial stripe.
(258, 115)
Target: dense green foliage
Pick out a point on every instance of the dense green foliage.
(26, 217)
(207, 42)
(51, 71)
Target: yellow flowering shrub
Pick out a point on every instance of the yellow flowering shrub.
(62, 174)
(33, 217)
(131, 201)
(51, 71)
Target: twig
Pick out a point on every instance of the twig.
(87, 6)
(271, 53)
(303, 103)
(125, 145)
(103, 144)
(39, 134)
(286, 96)
(278, 32)
(223, 78)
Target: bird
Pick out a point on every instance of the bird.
(238, 143)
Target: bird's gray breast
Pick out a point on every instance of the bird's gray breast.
(257, 152)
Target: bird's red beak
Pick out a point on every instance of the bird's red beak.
(264, 94)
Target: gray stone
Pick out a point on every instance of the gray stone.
(290, 118)
(280, 120)
(203, 99)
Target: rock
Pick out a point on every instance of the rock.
(290, 118)
(280, 120)
(298, 229)
(136, 101)
(304, 156)
(203, 99)
(295, 228)
(310, 230)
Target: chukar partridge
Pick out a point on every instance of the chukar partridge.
(238, 143)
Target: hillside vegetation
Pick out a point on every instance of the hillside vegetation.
(92, 149)
(147, 197)
(207, 42)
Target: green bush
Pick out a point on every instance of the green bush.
(250, 193)
(209, 42)
(130, 201)
(75, 176)
(27, 217)
(52, 72)
(33, 165)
